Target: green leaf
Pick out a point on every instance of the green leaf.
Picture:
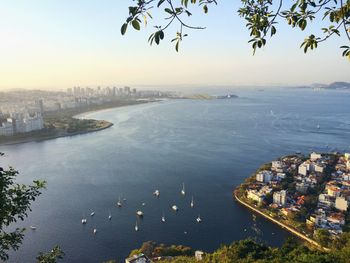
(205, 8)
(123, 29)
(136, 24)
(160, 3)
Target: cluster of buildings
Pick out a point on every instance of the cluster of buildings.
(333, 202)
(269, 188)
(22, 122)
(22, 111)
(268, 182)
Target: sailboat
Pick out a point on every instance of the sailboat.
(192, 203)
(136, 227)
(199, 219)
(156, 193)
(183, 189)
(110, 215)
(139, 213)
(163, 218)
(119, 203)
(83, 220)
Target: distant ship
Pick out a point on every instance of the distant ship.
(228, 96)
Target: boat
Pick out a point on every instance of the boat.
(139, 213)
(192, 203)
(143, 204)
(163, 218)
(110, 215)
(175, 208)
(183, 189)
(95, 231)
(33, 227)
(199, 219)
(119, 203)
(136, 227)
(156, 193)
(318, 126)
(92, 213)
(83, 221)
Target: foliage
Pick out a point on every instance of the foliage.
(15, 201)
(50, 257)
(322, 236)
(249, 251)
(152, 249)
(261, 16)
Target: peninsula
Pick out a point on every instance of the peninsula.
(306, 195)
(62, 123)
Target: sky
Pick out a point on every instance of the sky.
(57, 44)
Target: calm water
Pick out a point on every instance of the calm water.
(210, 145)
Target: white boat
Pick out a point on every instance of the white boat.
(110, 215)
(119, 203)
(95, 231)
(163, 218)
(92, 213)
(192, 203)
(139, 213)
(32, 227)
(143, 204)
(175, 208)
(318, 126)
(136, 227)
(83, 221)
(156, 193)
(183, 189)
(199, 219)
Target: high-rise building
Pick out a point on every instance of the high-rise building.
(40, 106)
(280, 198)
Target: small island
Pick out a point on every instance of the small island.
(306, 195)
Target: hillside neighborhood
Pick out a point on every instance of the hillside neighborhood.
(311, 194)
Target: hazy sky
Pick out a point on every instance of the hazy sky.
(63, 43)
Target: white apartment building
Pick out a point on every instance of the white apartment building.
(280, 198)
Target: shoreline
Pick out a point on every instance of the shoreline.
(55, 134)
(282, 225)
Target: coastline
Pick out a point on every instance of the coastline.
(282, 225)
(55, 135)
(58, 133)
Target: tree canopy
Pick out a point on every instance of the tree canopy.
(15, 202)
(261, 16)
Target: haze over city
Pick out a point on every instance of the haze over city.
(61, 44)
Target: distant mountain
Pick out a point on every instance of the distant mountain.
(338, 85)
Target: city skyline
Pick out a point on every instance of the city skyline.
(51, 45)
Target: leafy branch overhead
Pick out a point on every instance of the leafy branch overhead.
(261, 16)
(140, 13)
